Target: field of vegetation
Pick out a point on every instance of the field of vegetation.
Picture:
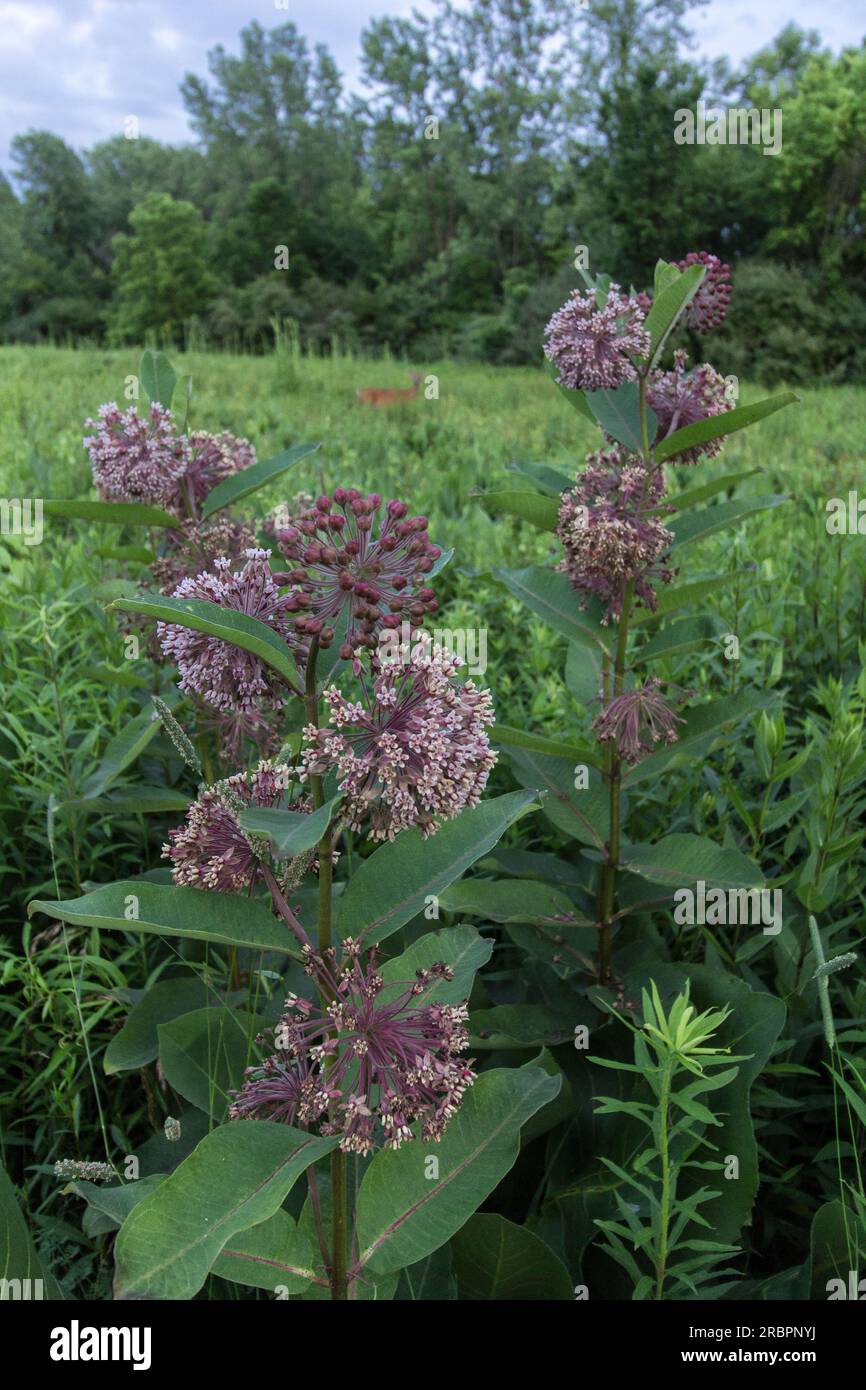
(781, 783)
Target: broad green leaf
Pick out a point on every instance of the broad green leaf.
(225, 919)
(576, 399)
(583, 813)
(237, 1177)
(583, 675)
(115, 513)
(517, 1025)
(248, 480)
(548, 479)
(403, 1215)
(672, 597)
(238, 629)
(203, 1055)
(504, 736)
(511, 900)
(665, 273)
(460, 947)
(669, 304)
(690, 497)
(390, 888)
(718, 426)
(701, 721)
(19, 1258)
(274, 1255)
(157, 376)
(685, 636)
(115, 1203)
(137, 1043)
(494, 1259)
(290, 832)
(618, 414)
(551, 596)
(678, 861)
(697, 525)
(533, 507)
(430, 1280)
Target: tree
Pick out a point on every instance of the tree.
(161, 271)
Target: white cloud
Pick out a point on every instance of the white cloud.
(22, 23)
(167, 38)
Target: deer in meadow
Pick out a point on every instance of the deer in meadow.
(372, 395)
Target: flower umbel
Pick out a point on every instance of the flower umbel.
(681, 398)
(608, 532)
(413, 749)
(710, 305)
(368, 1064)
(214, 458)
(347, 558)
(136, 459)
(637, 721)
(226, 676)
(592, 346)
(211, 850)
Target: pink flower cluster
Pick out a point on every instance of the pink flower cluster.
(592, 347)
(210, 850)
(413, 749)
(226, 676)
(710, 305)
(145, 460)
(681, 398)
(370, 1063)
(608, 531)
(137, 460)
(348, 559)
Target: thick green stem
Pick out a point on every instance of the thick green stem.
(339, 1283)
(613, 763)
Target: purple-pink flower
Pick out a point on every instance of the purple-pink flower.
(636, 721)
(193, 546)
(214, 458)
(608, 532)
(211, 850)
(413, 750)
(710, 305)
(592, 347)
(375, 1059)
(226, 676)
(136, 459)
(348, 558)
(681, 398)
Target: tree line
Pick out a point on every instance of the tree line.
(442, 210)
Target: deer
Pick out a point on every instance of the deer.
(372, 395)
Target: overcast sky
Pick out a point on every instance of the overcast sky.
(78, 67)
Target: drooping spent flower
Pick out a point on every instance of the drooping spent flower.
(681, 398)
(136, 459)
(369, 1064)
(414, 750)
(592, 346)
(347, 559)
(214, 458)
(637, 721)
(227, 676)
(609, 533)
(211, 850)
(710, 305)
